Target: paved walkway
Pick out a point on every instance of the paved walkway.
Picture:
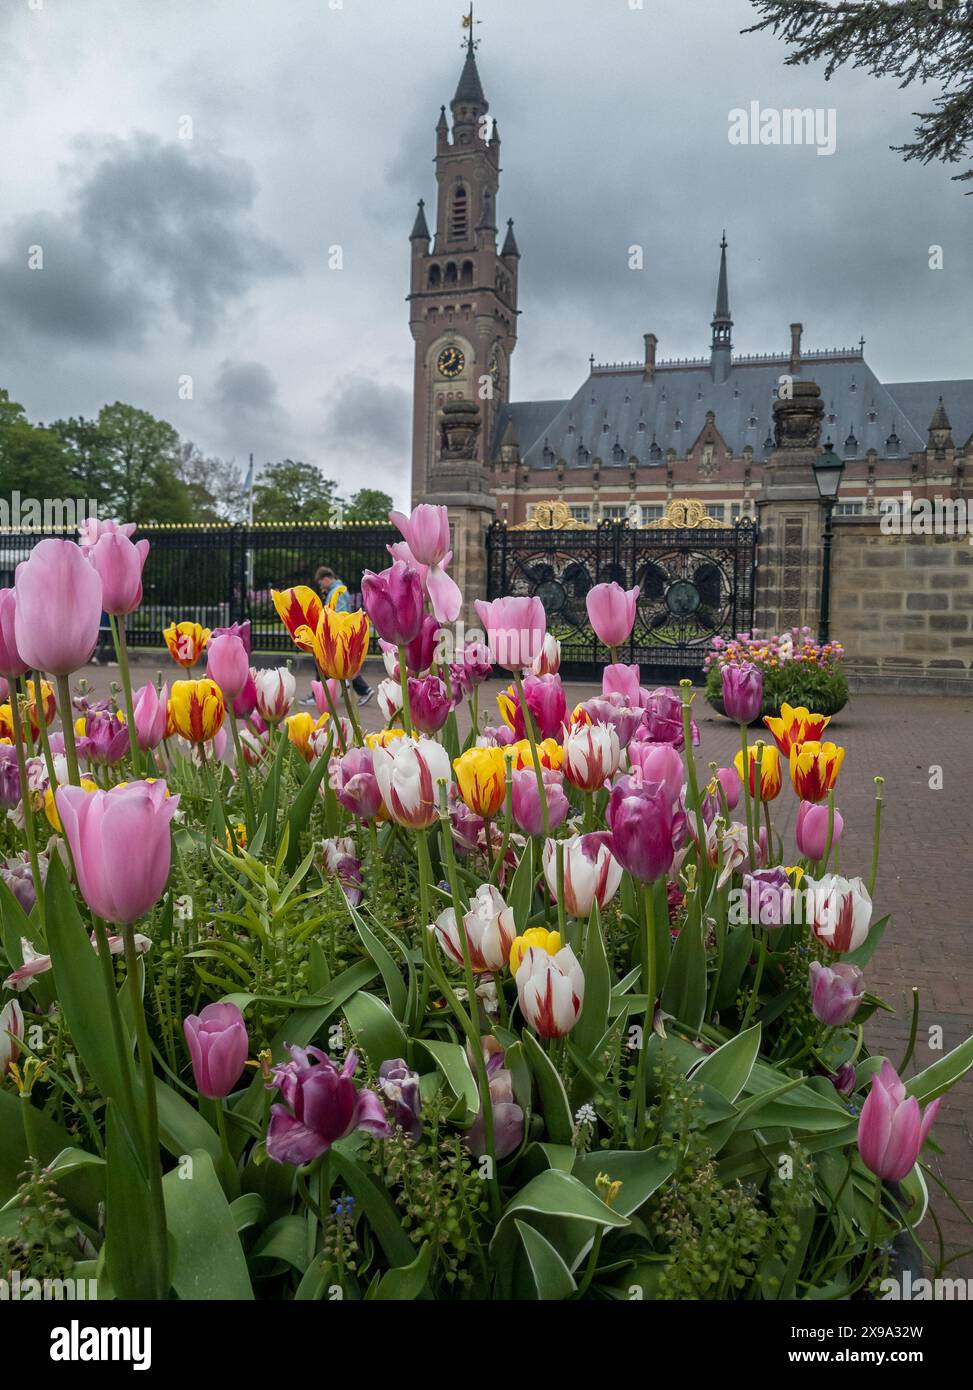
(923, 749)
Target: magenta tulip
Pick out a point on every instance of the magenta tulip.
(547, 704)
(429, 703)
(426, 533)
(611, 610)
(836, 992)
(121, 845)
(526, 803)
(811, 829)
(615, 710)
(515, 630)
(663, 718)
(658, 762)
(151, 708)
(353, 781)
(241, 630)
(892, 1128)
(729, 780)
(394, 602)
(246, 702)
(228, 664)
(743, 692)
(641, 821)
(58, 608)
(218, 1045)
(419, 653)
(11, 664)
(119, 563)
(322, 1105)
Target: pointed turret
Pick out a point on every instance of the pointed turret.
(469, 90)
(940, 430)
(420, 228)
(722, 324)
(510, 247)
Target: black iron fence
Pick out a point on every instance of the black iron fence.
(216, 575)
(695, 583)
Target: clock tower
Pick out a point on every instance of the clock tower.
(463, 292)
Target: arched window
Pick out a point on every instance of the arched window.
(450, 277)
(459, 215)
(466, 277)
(435, 277)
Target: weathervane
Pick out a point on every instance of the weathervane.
(470, 23)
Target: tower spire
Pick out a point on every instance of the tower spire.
(469, 92)
(722, 324)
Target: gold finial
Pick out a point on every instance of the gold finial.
(470, 23)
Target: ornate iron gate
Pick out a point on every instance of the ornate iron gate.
(695, 578)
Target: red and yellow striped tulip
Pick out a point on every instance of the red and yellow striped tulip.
(196, 709)
(771, 775)
(186, 642)
(480, 776)
(298, 607)
(814, 768)
(796, 725)
(339, 643)
(549, 752)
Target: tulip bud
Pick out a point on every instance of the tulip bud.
(11, 1032)
(218, 1045)
(551, 991)
(743, 692)
(611, 611)
(228, 664)
(836, 992)
(275, 689)
(892, 1128)
(119, 564)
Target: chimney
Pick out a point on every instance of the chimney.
(651, 343)
(795, 363)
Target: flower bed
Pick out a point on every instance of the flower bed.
(796, 670)
(536, 1011)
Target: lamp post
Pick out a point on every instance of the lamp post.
(828, 469)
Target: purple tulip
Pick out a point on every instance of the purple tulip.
(10, 792)
(105, 738)
(394, 602)
(228, 663)
(844, 1080)
(476, 659)
(892, 1128)
(615, 710)
(151, 712)
(508, 1116)
(641, 821)
(218, 1045)
(429, 703)
(17, 875)
(836, 992)
(59, 608)
(322, 1105)
(121, 845)
(663, 718)
(419, 653)
(770, 898)
(525, 800)
(400, 1087)
(353, 781)
(658, 762)
(743, 692)
(811, 829)
(729, 780)
(611, 610)
(119, 563)
(11, 664)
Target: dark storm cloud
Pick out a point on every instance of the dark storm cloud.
(149, 226)
(367, 416)
(245, 403)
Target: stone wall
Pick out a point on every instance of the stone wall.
(903, 607)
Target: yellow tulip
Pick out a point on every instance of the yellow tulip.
(196, 709)
(539, 938)
(384, 737)
(186, 642)
(771, 776)
(480, 776)
(814, 768)
(300, 727)
(549, 751)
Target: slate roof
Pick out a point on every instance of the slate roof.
(670, 412)
(470, 92)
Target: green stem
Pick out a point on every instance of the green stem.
(121, 651)
(352, 714)
(42, 725)
(67, 725)
(231, 1174)
(758, 976)
(339, 733)
(879, 783)
(243, 772)
(748, 800)
(152, 1160)
(913, 1031)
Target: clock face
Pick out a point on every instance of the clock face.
(450, 362)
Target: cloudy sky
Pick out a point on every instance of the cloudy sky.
(187, 166)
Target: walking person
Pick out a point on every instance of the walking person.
(327, 581)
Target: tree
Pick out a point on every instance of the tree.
(33, 460)
(129, 462)
(215, 485)
(291, 491)
(913, 40)
(370, 505)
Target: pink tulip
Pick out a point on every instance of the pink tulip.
(892, 1127)
(614, 709)
(515, 629)
(119, 563)
(150, 716)
(525, 800)
(426, 534)
(58, 608)
(121, 845)
(641, 821)
(550, 990)
(836, 992)
(393, 601)
(546, 702)
(322, 1105)
(729, 780)
(811, 829)
(228, 664)
(622, 680)
(218, 1045)
(477, 661)
(246, 702)
(93, 528)
(321, 699)
(429, 703)
(33, 963)
(612, 612)
(11, 664)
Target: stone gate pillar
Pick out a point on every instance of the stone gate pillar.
(457, 481)
(788, 588)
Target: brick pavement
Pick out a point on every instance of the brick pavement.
(925, 879)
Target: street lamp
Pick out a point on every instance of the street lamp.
(828, 469)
